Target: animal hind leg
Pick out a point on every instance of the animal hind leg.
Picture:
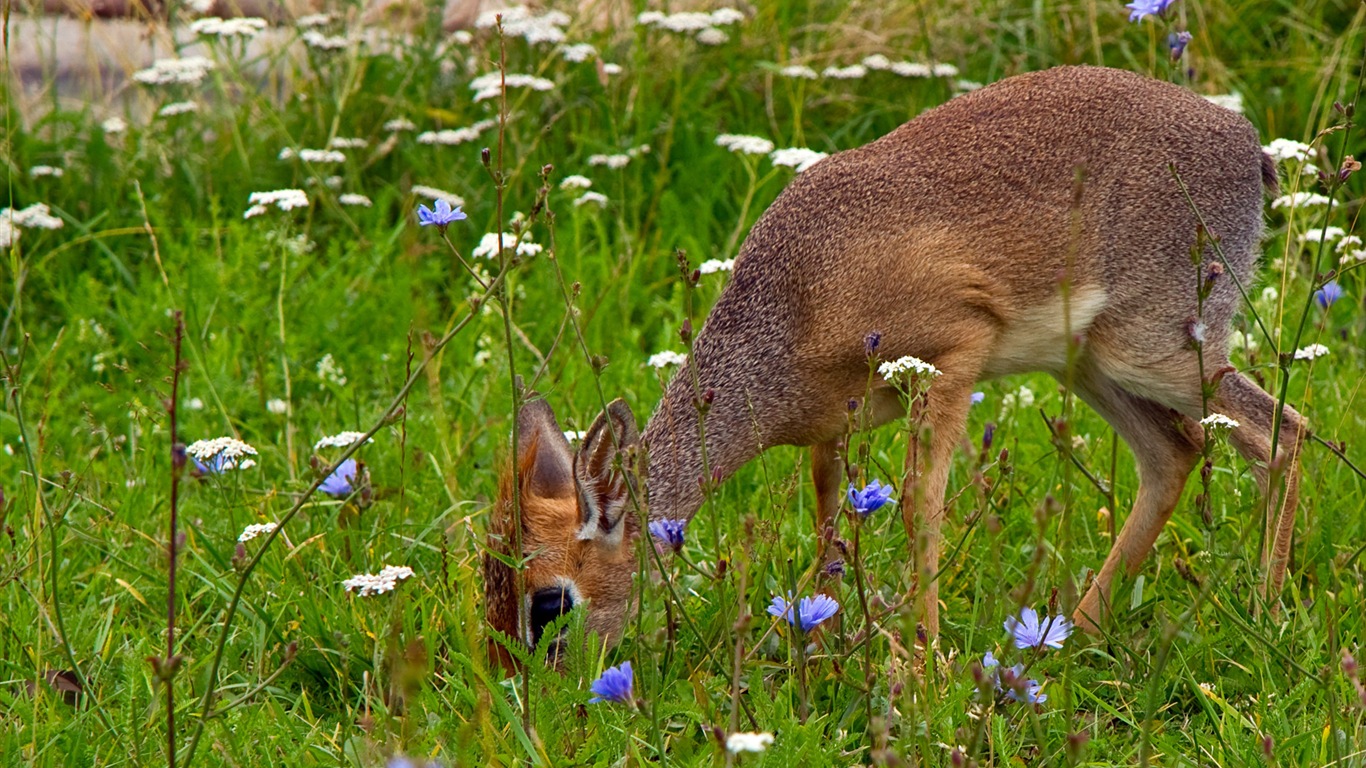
(1166, 446)
(827, 471)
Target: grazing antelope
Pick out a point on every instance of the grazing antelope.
(953, 236)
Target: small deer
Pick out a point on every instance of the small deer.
(1033, 225)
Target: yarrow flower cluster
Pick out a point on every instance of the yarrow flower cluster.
(256, 529)
(871, 498)
(666, 359)
(220, 454)
(669, 532)
(422, 190)
(367, 584)
(704, 27)
(1289, 150)
(340, 440)
(1322, 235)
(615, 685)
(521, 21)
(317, 156)
(808, 614)
(576, 182)
(1303, 200)
(798, 158)
(284, 199)
(241, 27)
(488, 246)
(894, 369)
(1311, 352)
(749, 145)
(711, 266)
(178, 108)
(595, 198)
(36, 216)
(619, 160)
(491, 85)
(189, 70)
(1218, 421)
(329, 370)
(1030, 632)
(40, 171)
(454, 136)
(748, 742)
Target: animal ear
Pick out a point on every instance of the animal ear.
(544, 458)
(602, 482)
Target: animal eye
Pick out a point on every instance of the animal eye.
(546, 606)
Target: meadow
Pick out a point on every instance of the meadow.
(230, 247)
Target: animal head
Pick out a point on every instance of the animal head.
(577, 528)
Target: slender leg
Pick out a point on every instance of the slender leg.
(827, 470)
(1240, 399)
(1166, 446)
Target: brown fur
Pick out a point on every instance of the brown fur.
(950, 236)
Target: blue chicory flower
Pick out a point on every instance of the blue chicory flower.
(1029, 632)
(615, 685)
(1177, 42)
(1140, 8)
(873, 496)
(1011, 681)
(441, 217)
(669, 532)
(1329, 293)
(811, 611)
(977, 397)
(339, 482)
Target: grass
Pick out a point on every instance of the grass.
(312, 675)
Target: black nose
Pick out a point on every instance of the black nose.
(547, 605)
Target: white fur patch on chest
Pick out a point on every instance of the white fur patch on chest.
(1036, 339)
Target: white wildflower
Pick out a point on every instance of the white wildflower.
(221, 454)
(312, 20)
(579, 52)
(39, 171)
(799, 158)
(319, 41)
(1270, 294)
(1230, 101)
(488, 246)
(400, 124)
(666, 359)
(284, 199)
(1310, 352)
(1301, 200)
(615, 162)
(712, 36)
(711, 266)
(352, 198)
(911, 69)
(422, 190)
(852, 72)
(1281, 150)
(342, 142)
(462, 37)
(877, 61)
(329, 370)
(967, 85)
(520, 21)
(1321, 234)
(256, 529)
(454, 136)
(277, 406)
(749, 145)
(1023, 398)
(799, 71)
(36, 216)
(1348, 241)
(320, 156)
(114, 125)
(690, 22)
(574, 435)
(608, 68)
(178, 108)
(576, 182)
(1218, 421)
(944, 70)
(367, 584)
(194, 404)
(340, 440)
(189, 70)
(893, 369)
(8, 233)
(597, 198)
(491, 85)
(247, 27)
(748, 742)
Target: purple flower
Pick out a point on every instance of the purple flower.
(1329, 293)
(1011, 681)
(339, 482)
(977, 397)
(441, 217)
(1030, 633)
(1176, 43)
(1140, 8)
(873, 496)
(669, 532)
(811, 611)
(614, 685)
